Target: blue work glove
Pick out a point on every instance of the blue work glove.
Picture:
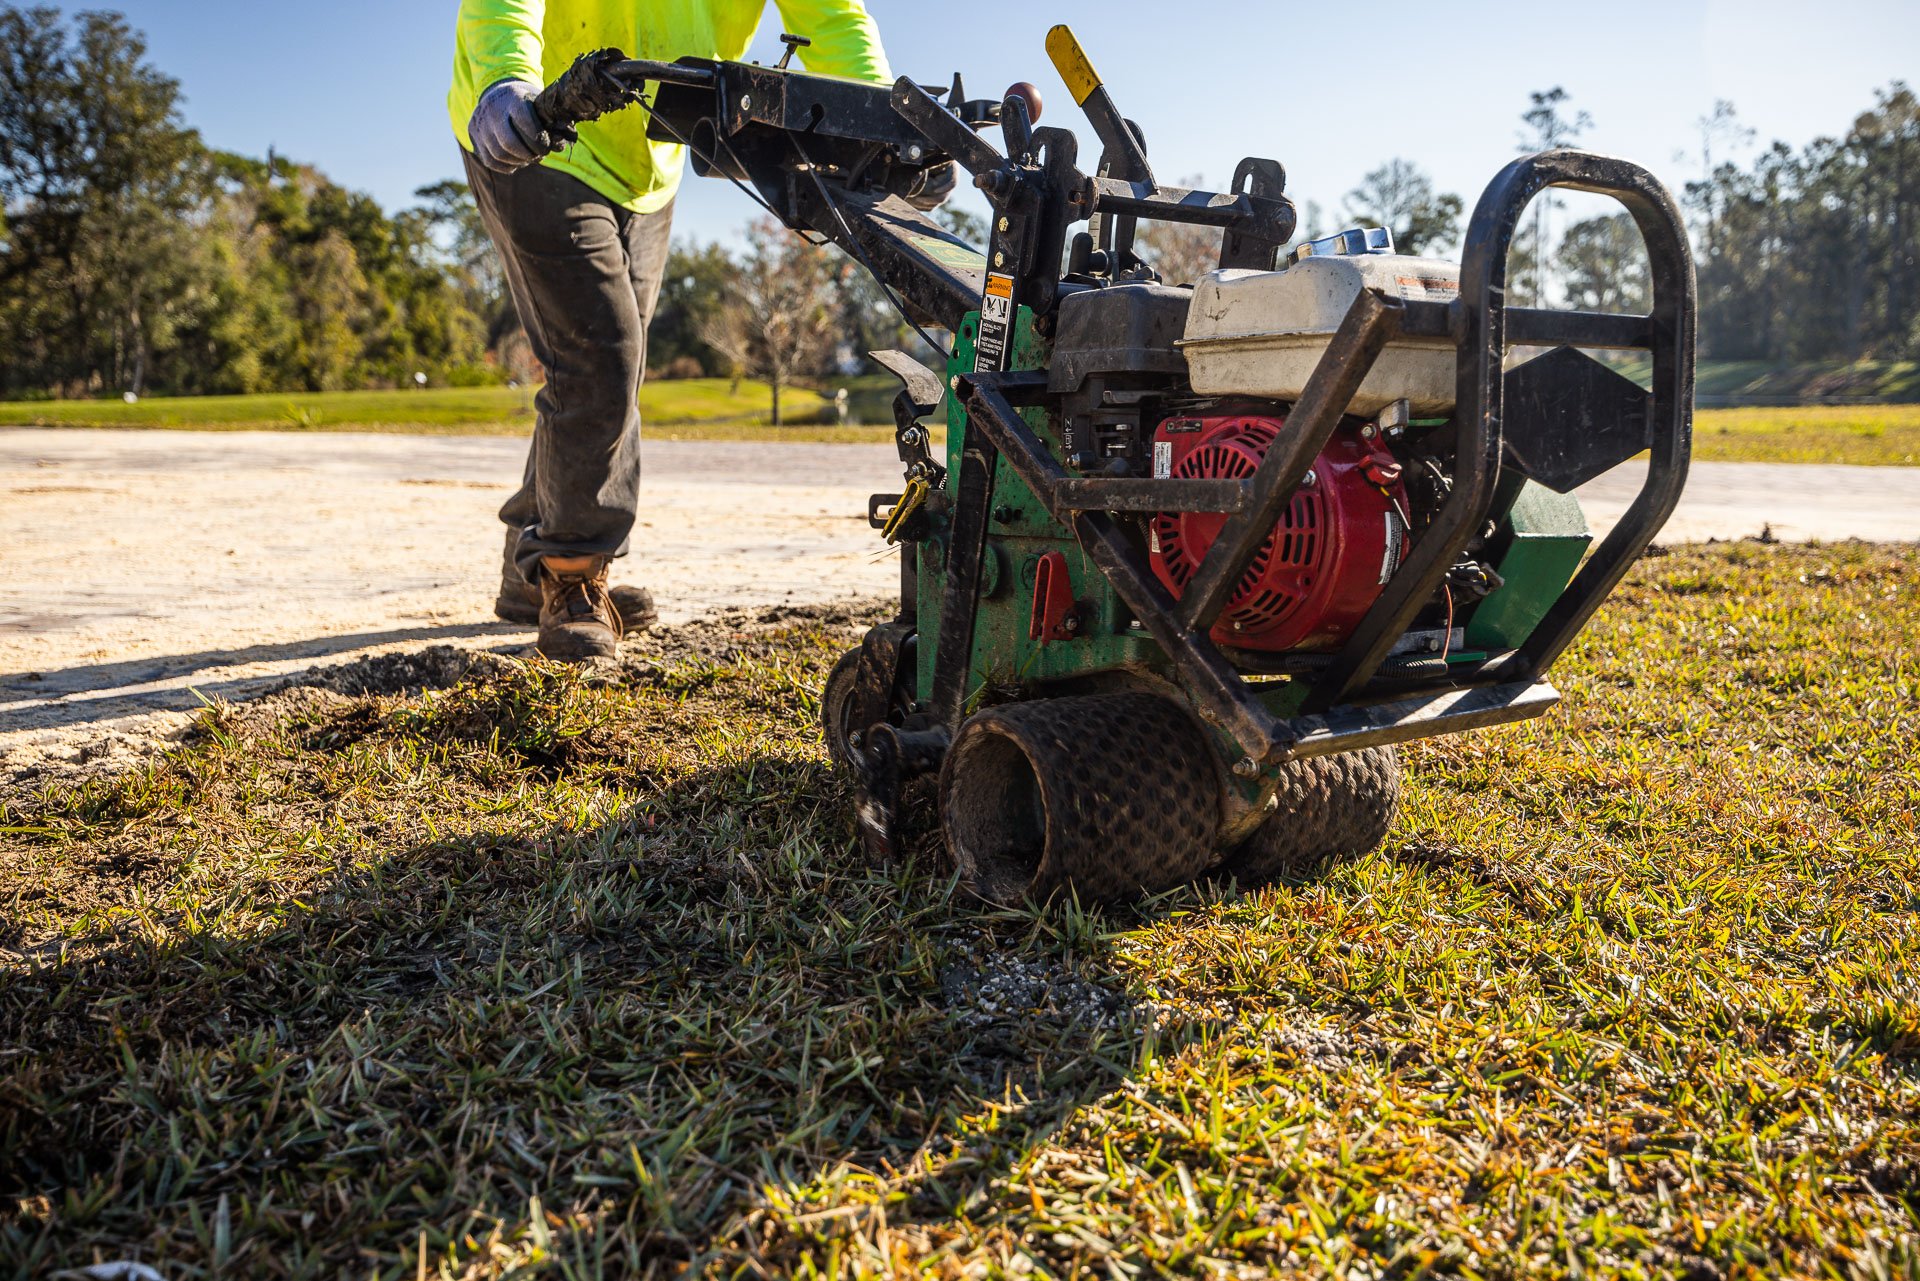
(506, 133)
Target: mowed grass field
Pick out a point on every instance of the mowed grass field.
(1870, 435)
(704, 409)
(543, 975)
(690, 408)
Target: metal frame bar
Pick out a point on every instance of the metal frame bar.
(1221, 693)
(1345, 364)
(1222, 696)
(1103, 494)
(1481, 331)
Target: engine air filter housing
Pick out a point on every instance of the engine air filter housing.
(1323, 565)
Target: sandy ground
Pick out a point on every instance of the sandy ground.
(149, 571)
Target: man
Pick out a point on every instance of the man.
(583, 237)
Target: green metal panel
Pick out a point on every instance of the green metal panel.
(1020, 532)
(1536, 550)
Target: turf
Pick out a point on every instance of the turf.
(1871, 435)
(704, 409)
(538, 976)
(691, 408)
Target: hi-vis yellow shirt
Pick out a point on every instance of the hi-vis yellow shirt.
(536, 40)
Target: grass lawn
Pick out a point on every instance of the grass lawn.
(703, 409)
(689, 409)
(537, 975)
(1875, 435)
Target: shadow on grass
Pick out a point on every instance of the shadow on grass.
(614, 1038)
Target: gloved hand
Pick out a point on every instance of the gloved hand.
(506, 133)
(934, 188)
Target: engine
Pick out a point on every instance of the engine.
(1322, 566)
(1196, 384)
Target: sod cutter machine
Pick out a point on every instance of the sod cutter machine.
(1196, 556)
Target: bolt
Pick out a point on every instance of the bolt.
(914, 152)
(1003, 224)
(999, 260)
(746, 102)
(910, 436)
(1369, 431)
(1309, 480)
(953, 384)
(1246, 767)
(1239, 626)
(1006, 514)
(1072, 624)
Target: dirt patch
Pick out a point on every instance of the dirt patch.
(323, 690)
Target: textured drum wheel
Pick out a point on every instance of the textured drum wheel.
(836, 708)
(1329, 807)
(1113, 795)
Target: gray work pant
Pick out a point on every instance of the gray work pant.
(584, 274)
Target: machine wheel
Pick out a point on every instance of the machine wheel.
(836, 709)
(847, 707)
(1113, 795)
(1329, 807)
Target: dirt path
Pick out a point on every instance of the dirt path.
(149, 570)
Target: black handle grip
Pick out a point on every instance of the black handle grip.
(587, 90)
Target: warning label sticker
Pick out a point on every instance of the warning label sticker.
(996, 324)
(1427, 288)
(1396, 547)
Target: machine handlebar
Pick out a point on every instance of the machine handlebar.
(601, 82)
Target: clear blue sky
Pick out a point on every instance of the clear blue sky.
(357, 86)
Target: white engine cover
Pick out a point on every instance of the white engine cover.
(1260, 333)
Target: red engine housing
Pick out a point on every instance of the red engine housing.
(1324, 564)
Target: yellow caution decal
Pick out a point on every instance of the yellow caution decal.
(1070, 60)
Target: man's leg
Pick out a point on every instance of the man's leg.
(566, 253)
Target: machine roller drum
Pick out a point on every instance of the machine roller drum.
(1327, 807)
(1112, 796)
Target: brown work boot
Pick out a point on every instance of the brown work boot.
(519, 602)
(577, 617)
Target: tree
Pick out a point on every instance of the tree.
(1815, 255)
(1179, 253)
(1721, 132)
(1548, 127)
(696, 279)
(462, 246)
(964, 223)
(1603, 264)
(777, 316)
(1400, 197)
(99, 178)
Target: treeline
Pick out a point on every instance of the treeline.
(1815, 254)
(136, 260)
(1801, 256)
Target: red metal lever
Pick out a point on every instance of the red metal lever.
(1056, 615)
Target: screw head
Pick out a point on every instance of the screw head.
(914, 152)
(1246, 767)
(1309, 480)
(746, 102)
(1369, 431)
